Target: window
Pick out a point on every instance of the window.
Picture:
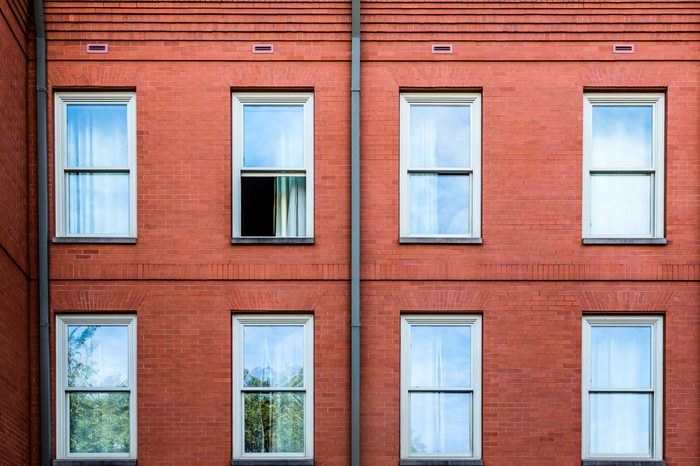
(622, 388)
(95, 165)
(273, 397)
(96, 386)
(441, 387)
(273, 166)
(623, 167)
(440, 167)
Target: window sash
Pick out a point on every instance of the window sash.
(63, 390)
(407, 323)
(655, 391)
(473, 101)
(655, 170)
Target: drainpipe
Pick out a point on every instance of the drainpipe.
(355, 239)
(43, 238)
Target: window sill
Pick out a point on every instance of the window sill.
(270, 240)
(440, 462)
(93, 462)
(438, 240)
(626, 241)
(91, 240)
(271, 462)
(623, 463)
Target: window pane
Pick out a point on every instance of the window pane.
(440, 136)
(98, 356)
(620, 357)
(96, 135)
(622, 136)
(273, 356)
(441, 423)
(273, 136)
(99, 422)
(273, 206)
(620, 424)
(440, 356)
(274, 422)
(98, 204)
(439, 204)
(621, 205)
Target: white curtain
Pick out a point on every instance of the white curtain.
(423, 188)
(290, 195)
(80, 152)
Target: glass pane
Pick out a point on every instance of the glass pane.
(99, 422)
(96, 135)
(273, 136)
(621, 205)
(274, 422)
(98, 356)
(273, 356)
(620, 424)
(441, 423)
(620, 357)
(98, 204)
(273, 206)
(440, 136)
(622, 136)
(440, 356)
(439, 204)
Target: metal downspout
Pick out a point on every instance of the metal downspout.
(43, 238)
(355, 239)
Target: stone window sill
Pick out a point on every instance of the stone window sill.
(623, 463)
(93, 462)
(626, 241)
(440, 462)
(91, 240)
(270, 240)
(271, 462)
(438, 240)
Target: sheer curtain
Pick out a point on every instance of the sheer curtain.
(423, 187)
(81, 216)
(290, 195)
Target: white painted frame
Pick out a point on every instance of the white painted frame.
(61, 101)
(474, 103)
(656, 171)
(239, 100)
(238, 323)
(657, 379)
(62, 389)
(409, 321)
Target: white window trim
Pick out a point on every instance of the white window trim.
(657, 101)
(657, 360)
(62, 415)
(473, 321)
(239, 321)
(474, 102)
(61, 101)
(270, 98)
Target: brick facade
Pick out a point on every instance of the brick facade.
(532, 280)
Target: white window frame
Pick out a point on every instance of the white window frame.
(62, 389)
(409, 321)
(239, 322)
(474, 102)
(657, 102)
(656, 390)
(61, 101)
(239, 100)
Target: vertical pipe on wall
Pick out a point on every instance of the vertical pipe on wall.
(355, 239)
(43, 238)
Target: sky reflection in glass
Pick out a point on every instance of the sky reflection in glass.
(620, 357)
(97, 135)
(98, 203)
(622, 136)
(440, 356)
(98, 356)
(440, 423)
(440, 136)
(439, 204)
(273, 356)
(621, 205)
(620, 424)
(273, 136)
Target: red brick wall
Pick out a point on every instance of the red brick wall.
(14, 269)
(531, 279)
